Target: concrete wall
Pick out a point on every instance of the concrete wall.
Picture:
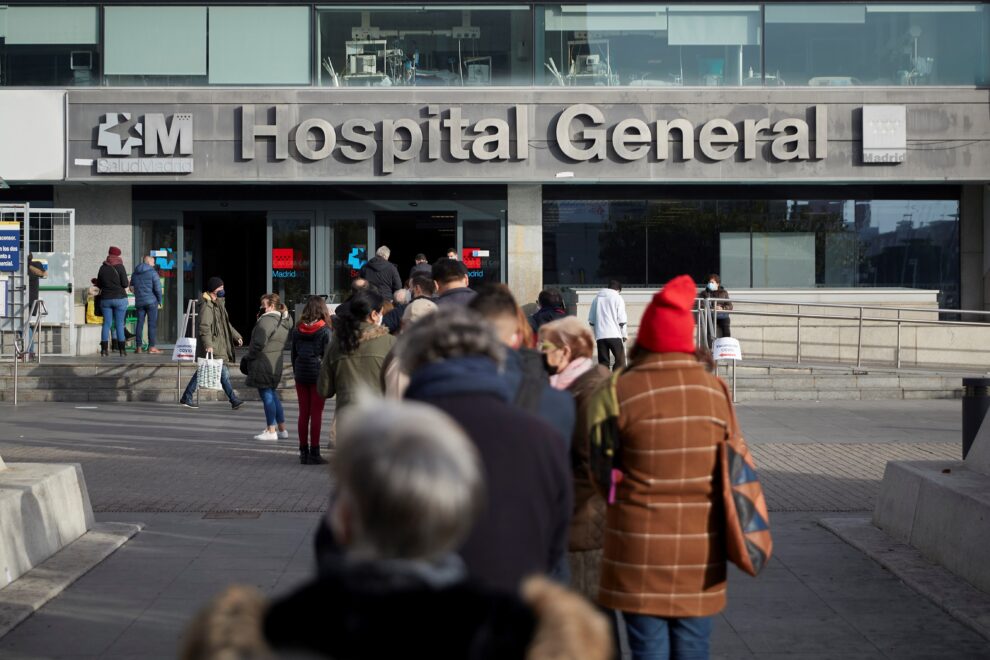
(525, 242)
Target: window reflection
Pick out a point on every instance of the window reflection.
(756, 243)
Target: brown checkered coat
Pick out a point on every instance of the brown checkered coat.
(664, 541)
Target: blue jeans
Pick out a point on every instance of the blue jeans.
(273, 406)
(113, 313)
(655, 638)
(228, 389)
(151, 312)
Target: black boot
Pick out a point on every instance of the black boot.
(314, 456)
(304, 455)
(122, 346)
(103, 349)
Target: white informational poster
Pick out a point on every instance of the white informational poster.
(727, 348)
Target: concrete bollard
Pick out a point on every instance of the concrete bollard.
(975, 404)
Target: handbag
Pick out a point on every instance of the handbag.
(185, 350)
(602, 421)
(749, 544)
(209, 371)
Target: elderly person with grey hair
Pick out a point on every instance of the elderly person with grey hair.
(453, 358)
(409, 485)
(382, 274)
(393, 318)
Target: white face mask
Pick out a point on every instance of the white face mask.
(712, 286)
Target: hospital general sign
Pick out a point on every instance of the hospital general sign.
(157, 143)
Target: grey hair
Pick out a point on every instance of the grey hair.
(412, 478)
(450, 332)
(401, 296)
(383, 252)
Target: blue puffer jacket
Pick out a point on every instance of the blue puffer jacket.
(147, 286)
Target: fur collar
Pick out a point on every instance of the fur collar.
(370, 331)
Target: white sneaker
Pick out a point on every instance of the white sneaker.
(284, 434)
(267, 435)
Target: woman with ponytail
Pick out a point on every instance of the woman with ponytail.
(353, 362)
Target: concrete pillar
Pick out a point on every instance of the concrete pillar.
(972, 267)
(103, 218)
(525, 242)
(986, 247)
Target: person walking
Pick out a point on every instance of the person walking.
(216, 336)
(551, 308)
(382, 275)
(112, 281)
(147, 288)
(310, 339)
(36, 272)
(664, 560)
(608, 318)
(265, 359)
(454, 356)
(568, 347)
(353, 361)
(422, 267)
(715, 291)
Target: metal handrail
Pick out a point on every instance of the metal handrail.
(929, 310)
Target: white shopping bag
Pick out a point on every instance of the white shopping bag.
(185, 350)
(208, 372)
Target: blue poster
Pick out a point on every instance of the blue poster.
(10, 246)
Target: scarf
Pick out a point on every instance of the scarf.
(113, 260)
(574, 370)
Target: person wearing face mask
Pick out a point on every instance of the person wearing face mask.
(265, 358)
(215, 335)
(568, 347)
(354, 358)
(713, 289)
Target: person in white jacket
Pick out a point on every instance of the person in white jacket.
(608, 318)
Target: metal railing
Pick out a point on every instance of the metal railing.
(22, 352)
(707, 308)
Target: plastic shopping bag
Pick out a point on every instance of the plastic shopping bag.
(208, 372)
(185, 350)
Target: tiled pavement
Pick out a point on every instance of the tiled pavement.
(819, 598)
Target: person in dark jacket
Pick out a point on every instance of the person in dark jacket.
(453, 357)
(422, 267)
(268, 339)
(217, 337)
(451, 278)
(714, 290)
(394, 588)
(382, 275)
(551, 308)
(344, 308)
(36, 272)
(310, 339)
(393, 318)
(112, 280)
(147, 288)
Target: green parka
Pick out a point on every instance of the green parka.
(266, 351)
(344, 374)
(215, 331)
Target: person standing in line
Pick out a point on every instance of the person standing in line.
(216, 336)
(382, 275)
(664, 560)
(608, 318)
(393, 317)
(344, 308)
(268, 339)
(353, 361)
(568, 348)
(112, 280)
(147, 288)
(36, 272)
(551, 308)
(310, 339)
(714, 290)
(452, 254)
(423, 286)
(451, 278)
(421, 268)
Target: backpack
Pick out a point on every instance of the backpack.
(603, 438)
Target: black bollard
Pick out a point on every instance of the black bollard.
(975, 404)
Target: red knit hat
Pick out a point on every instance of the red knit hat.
(114, 251)
(668, 324)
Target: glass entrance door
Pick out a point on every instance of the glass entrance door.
(290, 257)
(158, 236)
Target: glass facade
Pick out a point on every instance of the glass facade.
(544, 44)
(793, 241)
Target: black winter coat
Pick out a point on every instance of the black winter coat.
(309, 343)
(382, 275)
(545, 315)
(112, 281)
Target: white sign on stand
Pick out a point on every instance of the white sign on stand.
(728, 348)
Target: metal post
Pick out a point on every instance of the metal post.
(897, 351)
(859, 342)
(733, 381)
(799, 334)
(17, 357)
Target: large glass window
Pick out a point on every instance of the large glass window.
(786, 243)
(260, 46)
(49, 46)
(649, 45)
(140, 45)
(291, 261)
(937, 43)
(472, 45)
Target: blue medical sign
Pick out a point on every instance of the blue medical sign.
(10, 246)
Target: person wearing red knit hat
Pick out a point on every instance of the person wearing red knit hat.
(664, 558)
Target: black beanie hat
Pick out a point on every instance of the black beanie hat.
(213, 284)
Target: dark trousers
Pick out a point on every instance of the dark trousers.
(149, 312)
(614, 346)
(310, 414)
(723, 326)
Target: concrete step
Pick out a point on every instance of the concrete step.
(111, 395)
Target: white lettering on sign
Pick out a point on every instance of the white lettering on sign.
(144, 165)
